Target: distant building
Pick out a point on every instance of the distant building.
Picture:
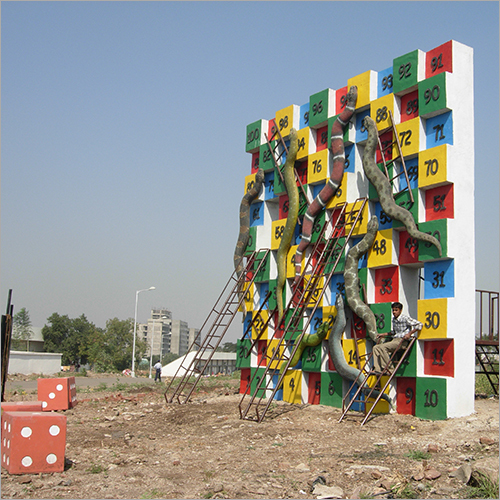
(165, 334)
(34, 344)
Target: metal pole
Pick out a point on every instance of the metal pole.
(151, 352)
(135, 325)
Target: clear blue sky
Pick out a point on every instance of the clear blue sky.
(123, 135)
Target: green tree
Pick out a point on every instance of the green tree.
(21, 330)
(68, 336)
(119, 338)
(228, 347)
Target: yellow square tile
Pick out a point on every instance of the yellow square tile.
(432, 166)
(433, 314)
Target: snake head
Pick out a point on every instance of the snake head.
(339, 301)
(352, 95)
(259, 177)
(368, 122)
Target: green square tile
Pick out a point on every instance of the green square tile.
(311, 359)
(263, 273)
(430, 402)
(243, 353)
(266, 161)
(256, 382)
(383, 315)
(432, 96)
(255, 136)
(408, 367)
(318, 108)
(279, 185)
(404, 72)
(331, 389)
(438, 229)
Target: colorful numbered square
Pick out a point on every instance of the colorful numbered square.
(318, 167)
(409, 106)
(439, 279)
(367, 87)
(380, 111)
(439, 358)
(381, 253)
(287, 118)
(433, 314)
(439, 130)
(439, 203)
(321, 107)
(257, 214)
(439, 60)
(292, 382)
(432, 166)
(432, 96)
(255, 135)
(384, 82)
(313, 388)
(383, 316)
(438, 229)
(405, 395)
(405, 72)
(430, 400)
(408, 248)
(331, 389)
(409, 134)
(387, 284)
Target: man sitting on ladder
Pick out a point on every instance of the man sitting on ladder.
(402, 327)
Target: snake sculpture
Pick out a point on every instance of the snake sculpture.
(244, 234)
(351, 278)
(384, 188)
(308, 340)
(336, 352)
(291, 220)
(332, 186)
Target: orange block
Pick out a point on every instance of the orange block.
(33, 442)
(57, 393)
(22, 406)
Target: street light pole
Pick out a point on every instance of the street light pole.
(151, 352)
(135, 325)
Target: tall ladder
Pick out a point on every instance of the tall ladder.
(277, 153)
(384, 148)
(217, 322)
(322, 263)
(356, 397)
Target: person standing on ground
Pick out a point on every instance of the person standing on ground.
(403, 327)
(158, 368)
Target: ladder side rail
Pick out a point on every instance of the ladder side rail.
(191, 365)
(391, 376)
(353, 399)
(398, 143)
(199, 355)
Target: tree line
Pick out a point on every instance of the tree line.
(81, 342)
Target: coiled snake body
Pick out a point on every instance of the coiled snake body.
(291, 220)
(336, 352)
(331, 187)
(351, 278)
(384, 188)
(244, 233)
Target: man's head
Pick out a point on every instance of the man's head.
(397, 308)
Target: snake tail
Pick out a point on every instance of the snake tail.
(333, 184)
(384, 188)
(345, 370)
(291, 220)
(351, 278)
(244, 233)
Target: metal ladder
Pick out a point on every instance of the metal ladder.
(276, 154)
(346, 406)
(385, 148)
(321, 263)
(217, 322)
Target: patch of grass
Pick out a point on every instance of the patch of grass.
(483, 385)
(481, 487)
(154, 493)
(96, 468)
(418, 455)
(405, 491)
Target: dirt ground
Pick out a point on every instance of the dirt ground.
(129, 443)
